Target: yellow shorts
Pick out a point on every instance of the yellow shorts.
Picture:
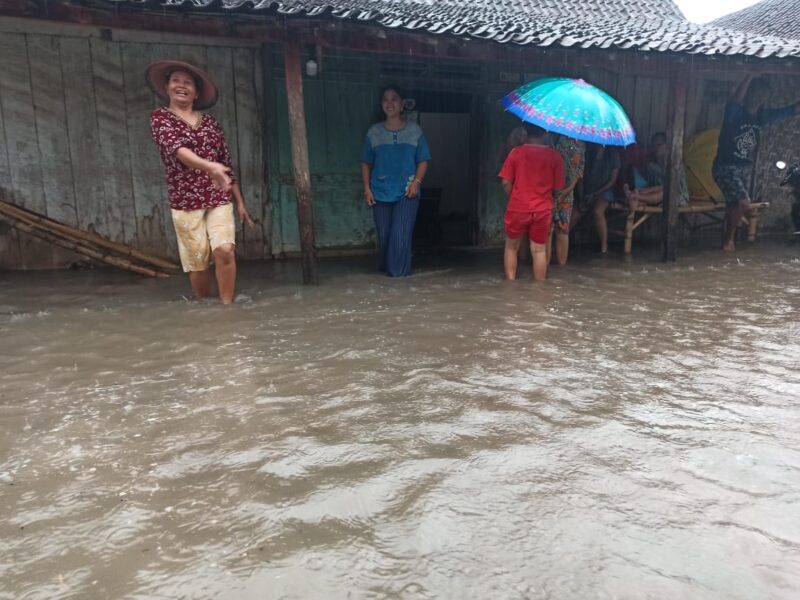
(202, 231)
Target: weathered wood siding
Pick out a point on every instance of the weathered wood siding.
(339, 106)
(343, 102)
(74, 121)
(75, 138)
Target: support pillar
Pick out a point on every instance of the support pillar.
(302, 174)
(675, 139)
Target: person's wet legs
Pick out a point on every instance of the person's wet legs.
(510, 258)
(539, 253)
(732, 219)
(575, 217)
(201, 283)
(562, 247)
(225, 267)
(600, 206)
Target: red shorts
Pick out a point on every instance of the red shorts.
(535, 224)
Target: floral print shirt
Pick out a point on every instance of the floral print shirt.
(190, 189)
(574, 154)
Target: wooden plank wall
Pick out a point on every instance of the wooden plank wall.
(75, 139)
(338, 114)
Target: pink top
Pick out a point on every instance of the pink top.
(190, 189)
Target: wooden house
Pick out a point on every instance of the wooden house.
(299, 83)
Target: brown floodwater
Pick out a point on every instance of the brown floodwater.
(626, 430)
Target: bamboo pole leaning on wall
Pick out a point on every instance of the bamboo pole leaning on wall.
(48, 224)
(84, 243)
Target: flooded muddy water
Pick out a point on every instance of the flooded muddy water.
(625, 430)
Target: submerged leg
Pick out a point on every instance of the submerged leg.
(600, 207)
(732, 220)
(510, 258)
(539, 253)
(225, 261)
(562, 247)
(201, 283)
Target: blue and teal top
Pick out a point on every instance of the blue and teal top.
(394, 156)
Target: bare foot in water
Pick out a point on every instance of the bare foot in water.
(728, 247)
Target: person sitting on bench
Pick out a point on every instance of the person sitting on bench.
(655, 174)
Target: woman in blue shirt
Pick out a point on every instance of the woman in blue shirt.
(393, 165)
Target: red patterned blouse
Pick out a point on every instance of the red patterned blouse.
(190, 189)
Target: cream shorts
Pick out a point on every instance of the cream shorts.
(202, 231)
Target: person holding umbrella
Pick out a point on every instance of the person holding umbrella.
(200, 179)
(577, 112)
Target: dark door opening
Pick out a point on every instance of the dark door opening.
(448, 210)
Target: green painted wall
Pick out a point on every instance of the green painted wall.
(342, 103)
(338, 113)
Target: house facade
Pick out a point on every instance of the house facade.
(74, 109)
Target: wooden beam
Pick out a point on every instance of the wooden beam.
(672, 186)
(302, 174)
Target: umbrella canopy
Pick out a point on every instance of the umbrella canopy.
(574, 108)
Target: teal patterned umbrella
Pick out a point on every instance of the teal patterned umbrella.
(574, 108)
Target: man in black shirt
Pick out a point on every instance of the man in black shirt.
(745, 116)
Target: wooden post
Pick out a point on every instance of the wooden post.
(302, 175)
(675, 134)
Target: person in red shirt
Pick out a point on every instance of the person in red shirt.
(200, 179)
(530, 175)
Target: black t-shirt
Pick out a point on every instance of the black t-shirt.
(741, 132)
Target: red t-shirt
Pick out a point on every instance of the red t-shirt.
(535, 172)
(190, 189)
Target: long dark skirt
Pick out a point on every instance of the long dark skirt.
(394, 222)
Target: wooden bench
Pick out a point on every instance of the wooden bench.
(715, 213)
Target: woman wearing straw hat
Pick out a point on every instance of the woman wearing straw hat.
(200, 178)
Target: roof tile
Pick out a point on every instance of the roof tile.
(769, 17)
(651, 25)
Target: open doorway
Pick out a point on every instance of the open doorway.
(448, 211)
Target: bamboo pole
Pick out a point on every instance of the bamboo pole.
(82, 248)
(51, 226)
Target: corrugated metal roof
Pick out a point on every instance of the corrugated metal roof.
(770, 17)
(651, 25)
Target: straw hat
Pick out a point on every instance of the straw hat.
(158, 72)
